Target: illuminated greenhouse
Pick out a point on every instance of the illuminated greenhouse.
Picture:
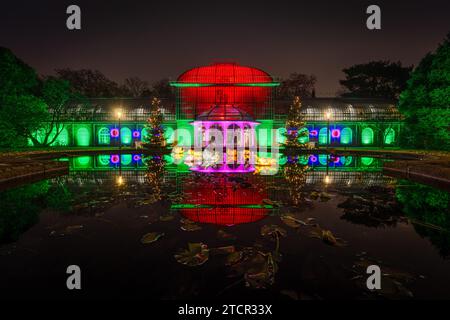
(229, 96)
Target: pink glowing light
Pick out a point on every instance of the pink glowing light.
(335, 133)
(224, 169)
(313, 158)
(313, 133)
(136, 134)
(115, 158)
(114, 133)
(136, 157)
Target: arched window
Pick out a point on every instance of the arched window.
(83, 137)
(281, 135)
(389, 136)
(366, 161)
(104, 136)
(323, 159)
(144, 134)
(125, 134)
(169, 134)
(125, 159)
(303, 135)
(346, 136)
(103, 160)
(367, 136)
(323, 139)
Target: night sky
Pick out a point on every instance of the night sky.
(157, 39)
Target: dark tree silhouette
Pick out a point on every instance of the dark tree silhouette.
(376, 79)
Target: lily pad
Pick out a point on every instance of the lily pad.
(233, 258)
(224, 235)
(327, 237)
(196, 254)
(273, 230)
(188, 225)
(151, 237)
(167, 217)
(223, 250)
(292, 221)
(324, 197)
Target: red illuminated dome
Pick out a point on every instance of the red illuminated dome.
(225, 84)
(225, 73)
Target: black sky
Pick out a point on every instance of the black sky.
(157, 39)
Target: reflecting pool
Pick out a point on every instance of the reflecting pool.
(172, 227)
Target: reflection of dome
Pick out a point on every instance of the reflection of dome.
(224, 112)
(224, 201)
(225, 73)
(225, 216)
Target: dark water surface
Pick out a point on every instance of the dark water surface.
(300, 228)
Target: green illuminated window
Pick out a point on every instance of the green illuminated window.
(389, 136)
(304, 135)
(366, 161)
(323, 158)
(323, 139)
(144, 134)
(367, 136)
(281, 138)
(103, 159)
(346, 136)
(125, 159)
(168, 134)
(346, 160)
(83, 137)
(104, 136)
(125, 134)
(83, 162)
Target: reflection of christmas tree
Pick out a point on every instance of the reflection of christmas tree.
(155, 130)
(295, 175)
(295, 126)
(154, 175)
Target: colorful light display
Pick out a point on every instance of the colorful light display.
(335, 133)
(114, 133)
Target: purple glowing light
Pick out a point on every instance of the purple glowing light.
(313, 158)
(115, 158)
(335, 133)
(136, 157)
(313, 133)
(136, 134)
(114, 133)
(224, 169)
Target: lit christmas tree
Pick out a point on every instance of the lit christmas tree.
(154, 128)
(296, 134)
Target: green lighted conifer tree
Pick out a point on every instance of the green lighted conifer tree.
(294, 125)
(154, 128)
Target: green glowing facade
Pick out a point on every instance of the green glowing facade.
(242, 94)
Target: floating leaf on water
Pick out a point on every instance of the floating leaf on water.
(326, 236)
(224, 235)
(233, 258)
(196, 254)
(223, 250)
(151, 237)
(71, 229)
(271, 202)
(314, 195)
(290, 293)
(262, 274)
(190, 227)
(273, 230)
(167, 217)
(292, 221)
(324, 196)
